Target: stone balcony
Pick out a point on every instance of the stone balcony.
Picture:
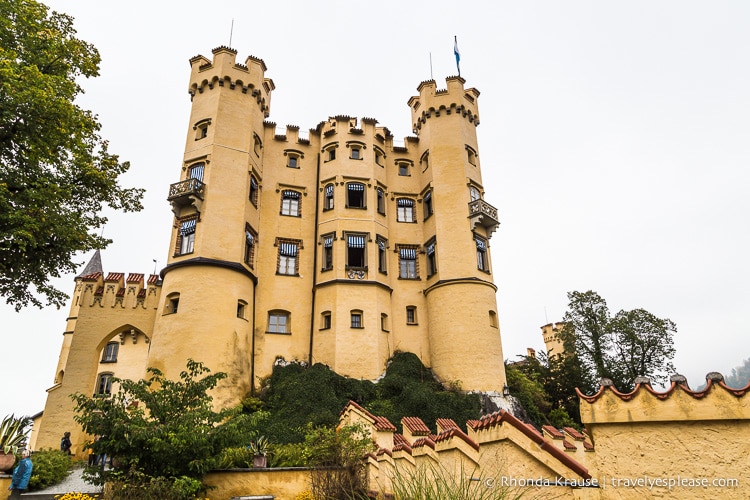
(185, 193)
(483, 214)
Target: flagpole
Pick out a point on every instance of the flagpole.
(431, 77)
(457, 54)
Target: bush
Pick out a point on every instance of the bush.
(50, 467)
(236, 458)
(134, 485)
(287, 455)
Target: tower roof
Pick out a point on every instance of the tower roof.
(94, 265)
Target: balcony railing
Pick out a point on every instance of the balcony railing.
(483, 214)
(187, 192)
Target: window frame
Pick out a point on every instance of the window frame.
(406, 210)
(110, 351)
(382, 254)
(104, 384)
(287, 258)
(357, 319)
(325, 320)
(186, 229)
(329, 196)
(381, 202)
(408, 266)
(291, 203)
(430, 250)
(326, 242)
(359, 247)
(251, 242)
(411, 315)
(483, 263)
(254, 191)
(427, 203)
(353, 192)
(279, 327)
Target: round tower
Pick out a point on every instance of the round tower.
(208, 291)
(464, 333)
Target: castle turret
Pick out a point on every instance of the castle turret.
(461, 303)
(206, 308)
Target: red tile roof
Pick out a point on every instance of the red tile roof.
(569, 446)
(444, 424)
(142, 293)
(114, 277)
(120, 292)
(425, 441)
(381, 423)
(501, 416)
(153, 279)
(415, 425)
(399, 438)
(574, 433)
(556, 434)
(135, 278)
(456, 432)
(588, 446)
(402, 447)
(91, 277)
(99, 291)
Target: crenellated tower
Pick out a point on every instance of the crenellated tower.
(206, 309)
(461, 303)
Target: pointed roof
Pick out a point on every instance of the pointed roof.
(94, 265)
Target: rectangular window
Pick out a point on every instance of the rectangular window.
(356, 319)
(474, 193)
(104, 384)
(427, 204)
(381, 201)
(328, 197)
(408, 263)
(186, 236)
(411, 315)
(482, 263)
(325, 320)
(278, 322)
(356, 154)
(331, 154)
(356, 251)
(250, 238)
(293, 161)
(288, 258)
(431, 258)
(405, 210)
(253, 191)
(290, 201)
(382, 262)
(110, 352)
(327, 252)
(403, 169)
(241, 307)
(355, 195)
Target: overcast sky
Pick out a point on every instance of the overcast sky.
(613, 142)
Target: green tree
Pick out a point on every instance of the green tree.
(621, 348)
(161, 427)
(56, 173)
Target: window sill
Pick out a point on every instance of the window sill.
(106, 361)
(410, 279)
(285, 274)
(326, 269)
(357, 327)
(356, 208)
(183, 254)
(279, 333)
(412, 324)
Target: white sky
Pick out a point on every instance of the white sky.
(613, 140)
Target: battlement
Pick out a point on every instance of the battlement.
(432, 102)
(117, 290)
(224, 71)
(716, 401)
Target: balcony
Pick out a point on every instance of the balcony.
(186, 193)
(483, 214)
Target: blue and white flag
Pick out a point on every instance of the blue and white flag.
(457, 54)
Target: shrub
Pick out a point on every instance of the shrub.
(134, 485)
(287, 455)
(236, 458)
(50, 467)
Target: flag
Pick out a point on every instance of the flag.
(457, 54)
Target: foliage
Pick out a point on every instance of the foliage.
(621, 348)
(50, 467)
(558, 376)
(134, 485)
(162, 428)
(740, 376)
(287, 455)
(239, 457)
(75, 496)
(296, 395)
(304, 495)
(260, 446)
(14, 433)
(530, 394)
(56, 173)
(337, 456)
(431, 481)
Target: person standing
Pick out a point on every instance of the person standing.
(65, 443)
(21, 475)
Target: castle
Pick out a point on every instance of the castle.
(339, 246)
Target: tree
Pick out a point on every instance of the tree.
(740, 375)
(56, 173)
(161, 427)
(621, 348)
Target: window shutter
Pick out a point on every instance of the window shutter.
(187, 227)
(408, 253)
(288, 249)
(356, 241)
